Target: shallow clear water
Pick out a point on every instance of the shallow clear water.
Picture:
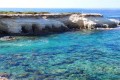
(80, 55)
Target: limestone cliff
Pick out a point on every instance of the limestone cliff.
(51, 23)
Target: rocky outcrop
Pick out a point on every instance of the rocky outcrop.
(32, 26)
(116, 21)
(92, 21)
(40, 24)
(4, 76)
(7, 38)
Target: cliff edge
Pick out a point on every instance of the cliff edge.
(48, 23)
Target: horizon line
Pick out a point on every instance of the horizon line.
(53, 8)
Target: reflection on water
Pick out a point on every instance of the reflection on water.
(77, 55)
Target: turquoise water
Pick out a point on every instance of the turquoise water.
(79, 55)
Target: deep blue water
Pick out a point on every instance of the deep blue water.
(79, 55)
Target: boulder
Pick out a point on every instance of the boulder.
(7, 38)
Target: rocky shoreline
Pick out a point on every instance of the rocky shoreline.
(49, 23)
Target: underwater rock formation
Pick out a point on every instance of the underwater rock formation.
(40, 24)
(3, 78)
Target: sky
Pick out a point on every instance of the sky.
(59, 3)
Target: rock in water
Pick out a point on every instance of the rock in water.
(92, 21)
(28, 24)
(24, 75)
(3, 78)
(6, 75)
(7, 38)
(116, 21)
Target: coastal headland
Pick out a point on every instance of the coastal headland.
(42, 23)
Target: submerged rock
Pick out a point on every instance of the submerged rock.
(24, 75)
(7, 38)
(3, 78)
(37, 72)
(12, 63)
(25, 65)
(65, 62)
(30, 70)
(4, 74)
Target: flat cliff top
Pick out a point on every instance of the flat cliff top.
(45, 14)
(32, 14)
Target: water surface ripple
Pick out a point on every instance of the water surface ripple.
(88, 55)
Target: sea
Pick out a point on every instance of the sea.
(75, 55)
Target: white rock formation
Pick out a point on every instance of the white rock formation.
(15, 25)
(116, 21)
(92, 21)
(54, 23)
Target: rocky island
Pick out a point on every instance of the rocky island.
(47, 23)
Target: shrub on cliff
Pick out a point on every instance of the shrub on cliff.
(30, 12)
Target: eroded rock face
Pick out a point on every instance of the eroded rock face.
(49, 23)
(116, 21)
(33, 26)
(7, 38)
(92, 21)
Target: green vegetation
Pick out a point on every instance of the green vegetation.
(30, 12)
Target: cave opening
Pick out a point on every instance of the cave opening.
(3, 33)
(24, 30)
(35, 29)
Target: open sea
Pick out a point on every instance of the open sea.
(78, 55)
